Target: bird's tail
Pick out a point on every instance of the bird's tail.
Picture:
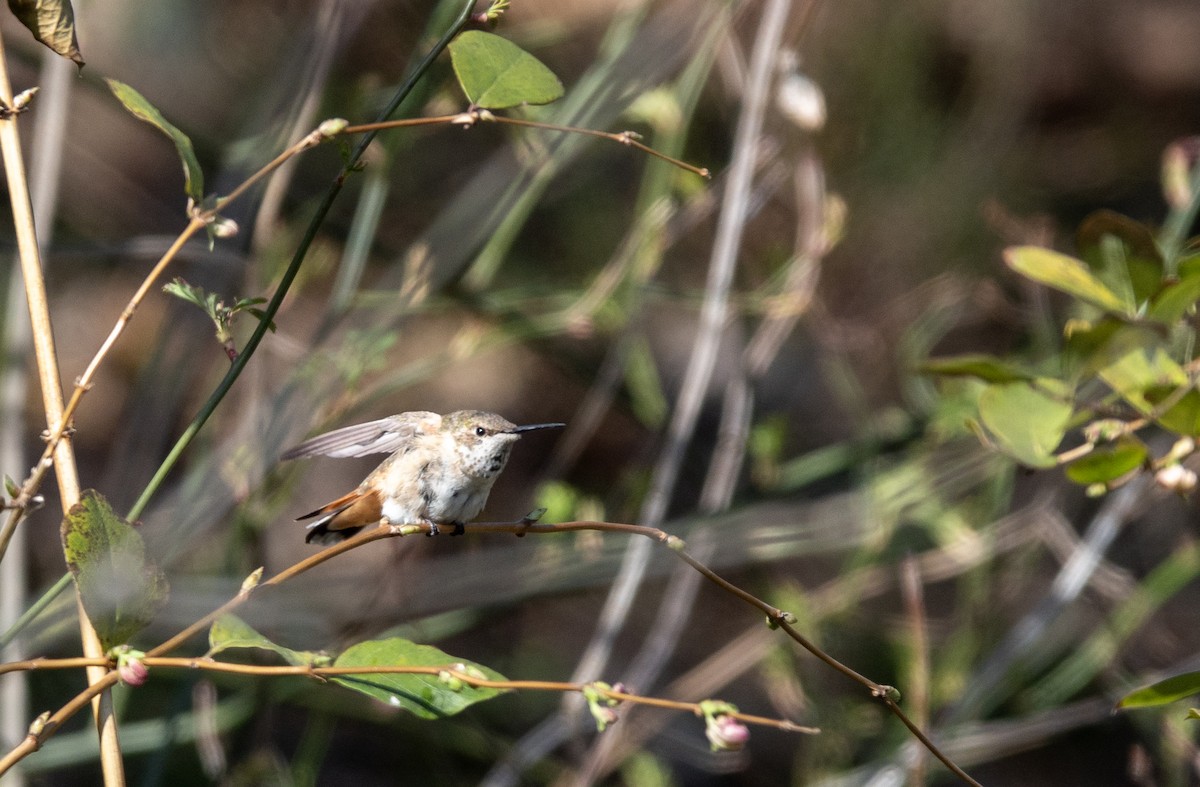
(344, 517)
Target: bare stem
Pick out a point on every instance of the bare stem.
(474, 116)
(52, 401)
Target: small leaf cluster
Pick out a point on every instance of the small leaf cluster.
(221, 315)
(1124, 367)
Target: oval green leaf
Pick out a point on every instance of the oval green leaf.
(140, 108)
(230, 631)
(52, 22)
(495, 73)
(422, 695)
(121, 591)
(1065, 274)
(1163, 692)
(1108, 462)
(1025, 423)
(984, 367)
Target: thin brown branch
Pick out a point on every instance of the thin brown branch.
(474, 116)
(453, 670)
(775, 617)
(627, 138)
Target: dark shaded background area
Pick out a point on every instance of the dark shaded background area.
(954, 129)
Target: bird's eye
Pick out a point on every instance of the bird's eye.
(480, 431)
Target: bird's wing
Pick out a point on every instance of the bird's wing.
(385, 436)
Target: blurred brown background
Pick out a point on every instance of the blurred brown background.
(953, 129)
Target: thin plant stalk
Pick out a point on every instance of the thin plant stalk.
(52, 399)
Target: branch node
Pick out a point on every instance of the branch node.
(886, 693)
(40, 726)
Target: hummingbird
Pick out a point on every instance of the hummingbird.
(440, 471)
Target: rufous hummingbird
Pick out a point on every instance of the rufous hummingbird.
(440, 471)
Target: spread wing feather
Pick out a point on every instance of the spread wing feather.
(385, 436)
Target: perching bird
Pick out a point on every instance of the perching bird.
(440, 471)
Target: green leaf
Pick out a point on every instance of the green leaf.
(496, 73)
(1108, 462)
(984, 367)
(1065, 274)
(121, 590)
(1140, 370)
(1123, 253)
(230, 631)
(1026, 423)
(52, 22)
(184, 291)
(423, 695)
(144, 110)
(1089, 346)
(1175, 300)
(1163, 692)
(1183, 417)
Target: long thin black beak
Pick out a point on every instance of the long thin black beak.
(532, 427)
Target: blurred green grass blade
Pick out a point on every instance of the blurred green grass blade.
(141, 737)
(1085, 662)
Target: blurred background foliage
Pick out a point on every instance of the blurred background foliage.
(560, 278)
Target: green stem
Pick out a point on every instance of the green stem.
(260, 331)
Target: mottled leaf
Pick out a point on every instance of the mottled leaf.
(495, 73)
(1026, 423)
(1065, 274)
(1108, 462)
(143, 110)
(121, 590)
(1163, 692)
(984, 367)
(424, 695)
(52, 22)
(230, 631)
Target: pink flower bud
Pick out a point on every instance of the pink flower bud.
(726, 733)
(132, 671)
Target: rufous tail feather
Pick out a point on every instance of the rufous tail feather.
(344, 517)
